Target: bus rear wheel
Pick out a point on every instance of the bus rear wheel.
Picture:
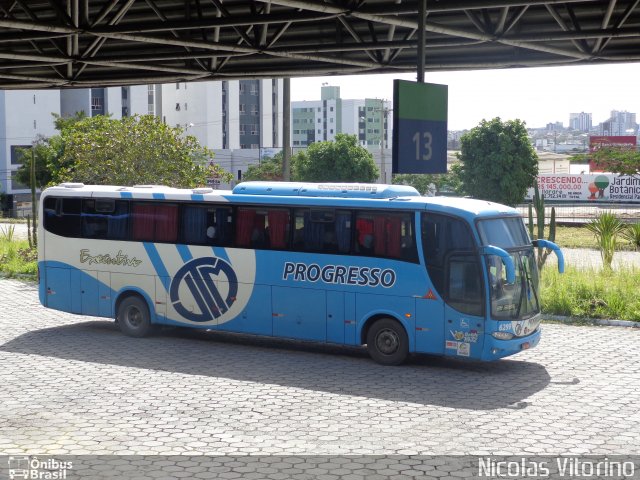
(133, 317)
(387, 342)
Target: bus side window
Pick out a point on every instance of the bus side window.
(364, 234)
(194, 225)
(443, 235)
(62, 216)
(245, 220)
(464, 291)
(278, 220)
(155, 223)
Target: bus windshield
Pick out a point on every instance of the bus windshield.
(520, 299)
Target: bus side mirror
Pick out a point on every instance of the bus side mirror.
(541, 243)
(506, 259)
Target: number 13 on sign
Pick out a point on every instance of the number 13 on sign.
(423, 142)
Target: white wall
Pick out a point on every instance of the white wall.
(75, 100)
(113, 102)
(233, 135)
(26, 114)
(138, 100)
(266, 113)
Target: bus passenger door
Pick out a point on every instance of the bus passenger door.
(430, 323)
(299, 313)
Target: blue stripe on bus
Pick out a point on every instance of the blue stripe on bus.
(161, 270)
(126, 195)
(158, 196)
(184, 252)
(196, 197)
(220, 252)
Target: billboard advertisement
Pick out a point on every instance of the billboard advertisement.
(607, 187)
(597, 142)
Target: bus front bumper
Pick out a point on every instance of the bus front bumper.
(495, 349)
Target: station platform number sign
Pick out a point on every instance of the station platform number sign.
(419, 127)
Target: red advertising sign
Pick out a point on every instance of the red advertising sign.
(597, 142)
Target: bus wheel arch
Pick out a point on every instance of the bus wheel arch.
(387, 339)
(133, 314)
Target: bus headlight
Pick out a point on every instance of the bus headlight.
(503, 335)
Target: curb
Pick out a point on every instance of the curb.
(607, 322)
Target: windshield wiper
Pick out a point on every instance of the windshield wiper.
(533, 287)
(522, 289)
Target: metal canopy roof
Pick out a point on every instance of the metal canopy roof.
(84, 43)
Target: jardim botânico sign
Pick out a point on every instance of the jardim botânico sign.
(608, 187)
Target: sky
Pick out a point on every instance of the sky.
(536, 95)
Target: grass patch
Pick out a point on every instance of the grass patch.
(580, 237)
(592, 293)
(12, 220)
(16, 258)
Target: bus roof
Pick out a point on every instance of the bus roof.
(352, 195)
(341, 190)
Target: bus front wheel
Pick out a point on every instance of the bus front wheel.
(133, 317)
(387, 342)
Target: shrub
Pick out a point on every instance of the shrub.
(606, 227)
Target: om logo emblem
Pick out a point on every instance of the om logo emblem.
(199, 276)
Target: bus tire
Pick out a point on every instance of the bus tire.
(133, 317)
(387, 342)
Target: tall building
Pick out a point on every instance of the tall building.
(619, 124)
(580, 121)
(226, 116)
(238, 114)
(316, 121)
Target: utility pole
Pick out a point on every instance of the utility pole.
(286, 130)
(383, 170)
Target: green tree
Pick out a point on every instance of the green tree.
(268, 169)
(342, 160)
(617, 159)
(133, 150)
(498, 161)
(45, 151)
(430, 184)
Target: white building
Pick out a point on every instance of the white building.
(225, 116)
(24, 115)
(239, 114)
(320, 120)
(580, 121)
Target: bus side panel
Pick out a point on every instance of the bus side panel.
(399, 308)
(160, 298)
(89, 294)
(57, 287)
(104, 295)
(430, 336)
(335, 317)
(299, 313)
(350, 323)
(76, 290)
(256, 317)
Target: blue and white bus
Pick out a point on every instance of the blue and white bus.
(352, 264)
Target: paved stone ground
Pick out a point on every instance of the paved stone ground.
(75, 385)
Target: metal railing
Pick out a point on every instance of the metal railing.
(585, 212)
